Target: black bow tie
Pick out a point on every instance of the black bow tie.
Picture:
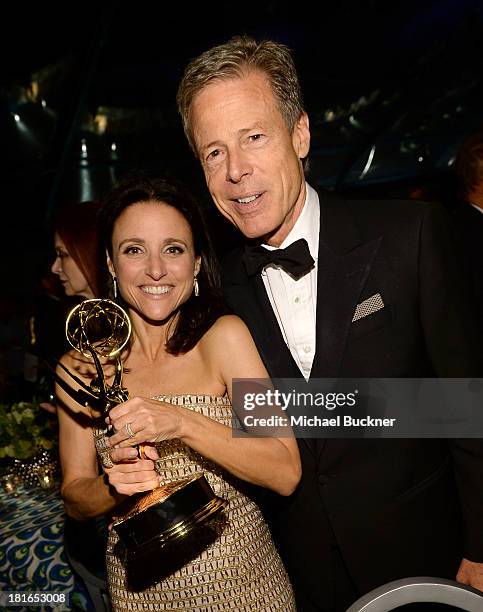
(295, 259)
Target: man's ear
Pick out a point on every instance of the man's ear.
(197, 265)
(110, 265)
(301, 136)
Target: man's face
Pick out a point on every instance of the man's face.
(250, 159)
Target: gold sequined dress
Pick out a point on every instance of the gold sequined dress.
(239, 570)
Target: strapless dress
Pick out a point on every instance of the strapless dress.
(240, 569)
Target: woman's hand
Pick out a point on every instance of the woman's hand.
(130, 475)
(144, 420)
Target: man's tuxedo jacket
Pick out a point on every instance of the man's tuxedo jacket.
(395, 507)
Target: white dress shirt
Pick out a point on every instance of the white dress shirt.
(294, 302)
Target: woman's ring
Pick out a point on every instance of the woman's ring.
(129, 431)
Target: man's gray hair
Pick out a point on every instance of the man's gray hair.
(235, 59)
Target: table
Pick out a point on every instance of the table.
(31, 547)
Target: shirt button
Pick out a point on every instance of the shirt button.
(323, 479)
(307, 348)
(297, 300)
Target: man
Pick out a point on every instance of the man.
(381, 298)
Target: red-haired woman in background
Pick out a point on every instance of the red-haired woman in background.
(78, 262)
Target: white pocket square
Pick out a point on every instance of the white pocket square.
(368, 307)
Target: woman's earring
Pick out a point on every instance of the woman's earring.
(114, 286)
(196, 287)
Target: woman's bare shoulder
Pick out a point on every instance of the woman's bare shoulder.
(229, 346)
(229, 336)
(228, 329)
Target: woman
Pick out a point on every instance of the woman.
(78, 261)
(179, 367)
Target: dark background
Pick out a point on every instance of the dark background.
(88, 93)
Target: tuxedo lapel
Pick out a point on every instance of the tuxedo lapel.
(340, 282)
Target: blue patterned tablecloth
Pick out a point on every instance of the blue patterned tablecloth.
(31, 546)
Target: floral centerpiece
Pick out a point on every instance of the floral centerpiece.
(25, 430)
(28, 444)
